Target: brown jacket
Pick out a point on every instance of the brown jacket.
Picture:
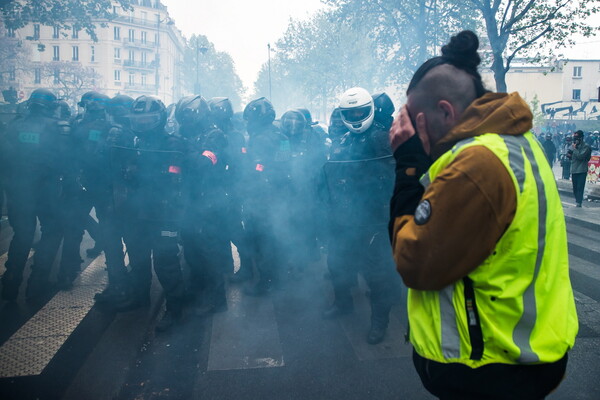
(473, 200)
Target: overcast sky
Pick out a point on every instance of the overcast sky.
(242, 28)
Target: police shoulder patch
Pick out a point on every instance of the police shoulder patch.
(423, 212)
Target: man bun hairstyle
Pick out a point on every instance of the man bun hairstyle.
(460, 52)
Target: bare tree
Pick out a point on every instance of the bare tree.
(532, 28)
(70, 79)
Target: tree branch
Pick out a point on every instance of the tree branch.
(524, 45)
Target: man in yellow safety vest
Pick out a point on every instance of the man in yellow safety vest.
(478, 236)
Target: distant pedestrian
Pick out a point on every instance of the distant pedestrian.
(549, 149)
(579, 153)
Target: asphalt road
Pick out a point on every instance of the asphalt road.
(273, 347)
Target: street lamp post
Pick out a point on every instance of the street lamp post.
(199, 50)
(269, 55)
(157, 56)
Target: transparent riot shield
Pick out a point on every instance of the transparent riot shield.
(147, 184)
(360, 190)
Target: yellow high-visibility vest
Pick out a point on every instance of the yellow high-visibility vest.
(517, 307)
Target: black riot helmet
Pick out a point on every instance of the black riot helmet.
(63, 111)
(259, 112)
(307, 115)
(86, 97)
(97, 102)
(384, 109)
(293, 123)
(192, 110)
(221, 108)
(120, 106)
(336, 124)
(148, 113)
(42, 100)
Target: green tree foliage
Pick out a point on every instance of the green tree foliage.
(216, 71)
(315, 61)
(532, 28)
(66, 14)
(407, 32)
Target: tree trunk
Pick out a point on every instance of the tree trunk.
(499, 73)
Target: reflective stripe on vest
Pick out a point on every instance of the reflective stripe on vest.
(507, 335)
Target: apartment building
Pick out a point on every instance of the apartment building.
(566, 89)
(139, 52)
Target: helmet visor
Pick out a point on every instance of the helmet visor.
(293, 126)
(145, 122)
(355, 115)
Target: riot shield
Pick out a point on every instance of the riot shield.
(360, 190)
(147, 184)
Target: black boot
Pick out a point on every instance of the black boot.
(38, 285)
(380, 318)
(337, 310)
(261, 288)
(94, 251)
(10, 286)
(171, 317)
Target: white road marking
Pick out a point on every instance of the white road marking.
(34, 345)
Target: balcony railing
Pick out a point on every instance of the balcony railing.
(139, 87)
(138, 43)
(136, 21)
(139, 64)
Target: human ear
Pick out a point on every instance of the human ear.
(448, 112)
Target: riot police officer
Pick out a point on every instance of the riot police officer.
(33, 152)
(236, 160)
(384, 109)
(148, 195)
(336, 131)
(96, 134)
(308, 155)
(264, 204)
(360, 181)
(206, 244)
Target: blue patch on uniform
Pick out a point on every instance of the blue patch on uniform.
(423, 212)
(29, 137)
(94, 135)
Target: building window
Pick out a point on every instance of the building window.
(144, 37)
(576, 94)
(576, 72)
(117, 33)
(56, 75)
(143, 79)
(36, 31)
(55, 32)
(117, 53)
(131, 35)
(75, 33)
(12, 74)
(75, 53)
(37, 75)
(117, 75)
(56, 53)
(144, 58)
(131, 78)
(10, 32)
(93, 53)
(131, 56)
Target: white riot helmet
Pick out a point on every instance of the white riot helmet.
(357, 109)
